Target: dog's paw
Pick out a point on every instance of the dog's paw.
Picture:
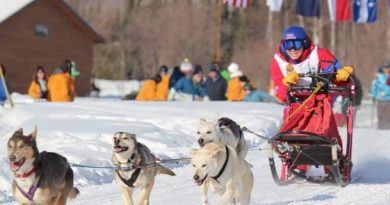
(205, 202)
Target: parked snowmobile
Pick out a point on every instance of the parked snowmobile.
(309, 135)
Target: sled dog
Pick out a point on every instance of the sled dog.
(138, 167)
(226, 173)
(38, 177)
(225, 131)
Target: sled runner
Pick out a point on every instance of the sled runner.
(309, 137)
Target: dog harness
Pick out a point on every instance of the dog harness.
(130, 182)
(223, 167)
(33, 188)
(133, 178)
(31, 191)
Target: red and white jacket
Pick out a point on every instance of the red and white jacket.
(313, 59)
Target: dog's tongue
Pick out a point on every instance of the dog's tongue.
(15, 166)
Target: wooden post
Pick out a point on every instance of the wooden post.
(218, 31)
(270, 29)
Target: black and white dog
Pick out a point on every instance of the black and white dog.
(225, 131)
(39, 178)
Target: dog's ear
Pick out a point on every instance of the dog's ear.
(19, 131)
(33, 135)
(215, 154)
(133, 137)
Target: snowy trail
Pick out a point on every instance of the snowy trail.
(82, 132)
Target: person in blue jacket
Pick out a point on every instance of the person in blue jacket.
(3, 94)
(254, 95)
(380, 92)
(379, 88)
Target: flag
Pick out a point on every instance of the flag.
(308, 8)
(388, 7)
(365, 11)
(339, 10)
(275, 5)
(237, 3)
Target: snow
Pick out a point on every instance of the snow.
(82, 132)
(10, 7)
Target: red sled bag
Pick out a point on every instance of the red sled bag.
(316, 116)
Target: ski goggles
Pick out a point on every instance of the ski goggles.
(292, 44)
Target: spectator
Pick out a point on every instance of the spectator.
(163, 85)
(235, 90)
(38, 87)
(380, 93)
(3, 86)
(61, 84)
(200, 93)
(149, 88)
(216, 86)
(254, 95)
(74, 72)
(185, 89)
(176, 75)
(223, 72)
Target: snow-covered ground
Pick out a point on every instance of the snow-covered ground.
(82, 132)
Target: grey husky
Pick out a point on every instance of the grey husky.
(138, 167)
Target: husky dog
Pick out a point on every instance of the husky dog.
(226, 173)
(138, 167)
(225, 131)
(39, 178)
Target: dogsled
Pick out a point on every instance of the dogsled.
(309, 137)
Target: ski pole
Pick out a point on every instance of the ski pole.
(5, 87)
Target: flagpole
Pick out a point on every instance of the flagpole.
(333, 36)
(218, 31)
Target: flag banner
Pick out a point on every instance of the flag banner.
(275, 5)
(339, 10)
(365, 11)
(237, 3)
(388, 7)
(308, 8)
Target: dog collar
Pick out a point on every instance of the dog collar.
(205, 177)
(223, 167)
(26, 174)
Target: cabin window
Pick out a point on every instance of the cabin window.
(41, 30)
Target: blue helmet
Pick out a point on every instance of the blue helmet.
(295, 37)
(294, 33)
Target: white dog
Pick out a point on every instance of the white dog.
(225, 131)
(226, 173)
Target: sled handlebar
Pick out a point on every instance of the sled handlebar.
(328, 84)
